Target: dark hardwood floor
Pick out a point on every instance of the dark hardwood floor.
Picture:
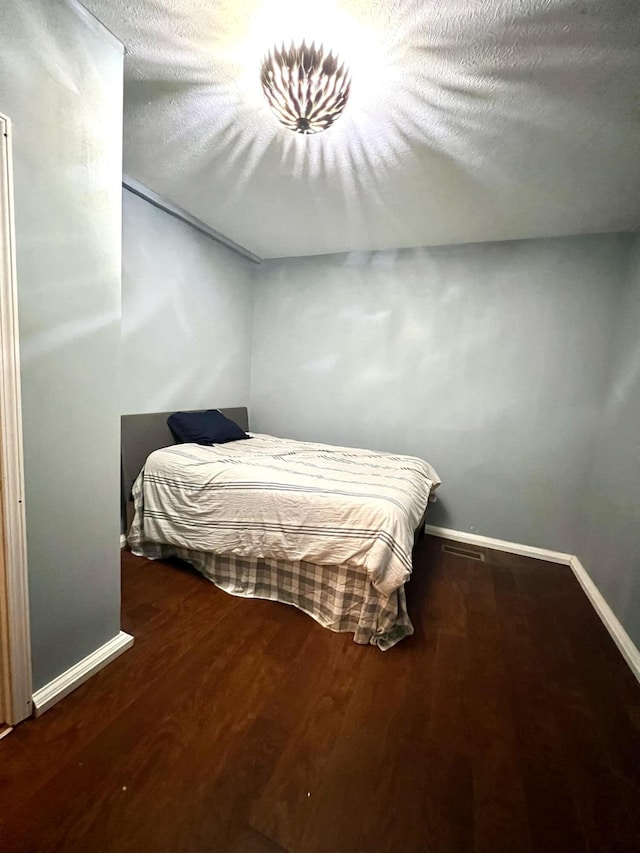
(508, 722)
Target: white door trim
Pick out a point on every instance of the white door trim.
(19, 705)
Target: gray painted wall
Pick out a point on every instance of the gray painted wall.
(187, 308)
(488, 360)
(610, 550)
(61, 84)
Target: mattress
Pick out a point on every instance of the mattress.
(271, 498)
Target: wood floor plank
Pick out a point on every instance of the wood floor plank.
(85, 798)
(508, 722)
(609, 814)
(500, 816)
(92, 707)
(448, 720)
(545, 781)
(237, 750)
(328, 675)
(360, 763)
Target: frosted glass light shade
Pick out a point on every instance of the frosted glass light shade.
(306, 88)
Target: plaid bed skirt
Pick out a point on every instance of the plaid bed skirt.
(341, 598)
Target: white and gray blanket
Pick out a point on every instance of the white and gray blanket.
(276, 498)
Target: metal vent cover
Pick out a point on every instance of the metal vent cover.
(462, 551)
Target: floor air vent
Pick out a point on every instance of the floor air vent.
(461, 551)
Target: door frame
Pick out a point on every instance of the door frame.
(15, 641)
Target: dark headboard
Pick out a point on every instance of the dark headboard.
(142, 434)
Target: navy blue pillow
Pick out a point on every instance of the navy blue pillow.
(208, 428)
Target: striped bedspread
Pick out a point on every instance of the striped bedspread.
(279, 499)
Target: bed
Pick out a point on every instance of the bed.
(326, 529)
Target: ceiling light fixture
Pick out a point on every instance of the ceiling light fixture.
(306, 88)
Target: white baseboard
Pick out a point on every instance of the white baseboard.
(76, 675)
(623, 641)
(500, 545)
(611, 622)
(123, 541)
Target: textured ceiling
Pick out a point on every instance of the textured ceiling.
(469, 120)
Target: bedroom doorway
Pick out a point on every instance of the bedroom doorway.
(15, 652)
